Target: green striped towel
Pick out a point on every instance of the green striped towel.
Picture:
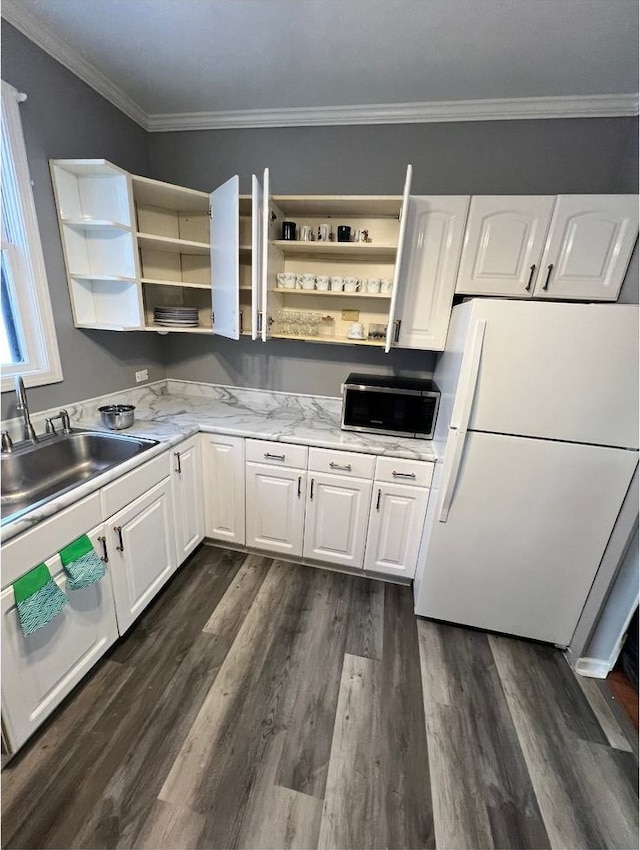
(38, 599)
(81, 563)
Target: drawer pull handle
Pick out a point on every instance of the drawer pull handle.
(311, 491)
(403, 474)
(118, 531)
(105, 556)
(269, 456)
(378, 502)
(179, 466)
(299, 485)
(345, 466)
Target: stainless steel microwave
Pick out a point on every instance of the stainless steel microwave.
(401, 407)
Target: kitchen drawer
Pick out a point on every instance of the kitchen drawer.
(278, 454)
(341, 463)
(132, 485)
(398, 471)
(35, 545)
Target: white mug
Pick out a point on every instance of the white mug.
(322, 282)
(337, 284)
(324, 233)
(356, 331)
(373, 284)
(361, 235)
(386, 286)
(287, 280)
(351, 284)
(306, 233)
(306, 281)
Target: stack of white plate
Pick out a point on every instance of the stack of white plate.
(177, 317)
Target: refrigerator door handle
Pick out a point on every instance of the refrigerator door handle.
(458, 433)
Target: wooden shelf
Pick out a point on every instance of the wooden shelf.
(155, 193)
(95, 224)
(161, 330)
(330, 339)
(169, 244)
(356, 250)
(106, 277)
(246, 249)
(183, 283)
(323, 293)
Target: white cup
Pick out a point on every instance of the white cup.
(362, 235)
(337, 284)
(322, 282)
(386, 286)
(373, 284)
(286, 280)
(356, 331)
(351, 284)
(306, 233)
(306, 281)
(324, 233)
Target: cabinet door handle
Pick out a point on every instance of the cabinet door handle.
(105, 556)
(179, 466)
(378, 502)
(269, 456)
(345, 466)
(396, 334)
(241, 328)
(311, 490)
(403, 474)
(118, 531)
(299, 485)
(546, 283)
(528, 286)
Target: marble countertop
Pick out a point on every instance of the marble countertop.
(170, 411)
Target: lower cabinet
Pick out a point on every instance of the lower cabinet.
(396, 519)
(40, 669)
(223, 476)
(275, 503)
(141, 551)
(186, 484)
(336, 519)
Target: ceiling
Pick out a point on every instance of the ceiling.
(343, 61)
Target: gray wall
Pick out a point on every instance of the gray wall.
(503, 157)
(64, 118)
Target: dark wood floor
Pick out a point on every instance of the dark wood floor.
(258, 704)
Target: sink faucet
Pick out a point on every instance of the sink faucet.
(28, 431)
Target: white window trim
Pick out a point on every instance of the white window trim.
(32, 293)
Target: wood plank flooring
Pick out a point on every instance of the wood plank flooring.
(262, 704)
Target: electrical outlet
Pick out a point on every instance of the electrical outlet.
(142, 375)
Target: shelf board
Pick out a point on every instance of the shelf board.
(88, 167)
(104, 326)
(159, 329)
(95, 224)
(330, 339)
(185, 284)
(326, 206)
(246, 249)
(155, 193)
(168, 243)
(323, 293)
(357, 250)
(106, 277)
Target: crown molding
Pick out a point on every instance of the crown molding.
(499, 109)
(20, 17)
(513, 109)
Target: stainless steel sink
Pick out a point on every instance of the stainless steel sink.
(33, 474)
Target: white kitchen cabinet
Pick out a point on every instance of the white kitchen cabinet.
(224, 482)
(40, 669)
(588, 248)
(281, 308)
(142, 551)
(433, 243)
(396, 519)
(275, 502)
(186, 482)
(336, 519)
(503, 244)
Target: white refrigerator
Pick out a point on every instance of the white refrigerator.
(537, 442)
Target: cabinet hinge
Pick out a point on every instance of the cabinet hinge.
(213, 319)
(259, 321)
(210, 213)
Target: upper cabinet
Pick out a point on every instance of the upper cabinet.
(573, 247)
(138, 251)
(334, 275)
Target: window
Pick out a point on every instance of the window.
(28, 345)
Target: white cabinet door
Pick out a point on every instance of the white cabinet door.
(141, 551)
(186, 481)
(503, 244)
(40, 669)
(336, 519)
(275, 508)
(395, 527)
(392, 326)
(588, 248)
(223, 474)
(433, 242)
(225, 258)
(257, 213)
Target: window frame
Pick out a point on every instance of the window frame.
(25, 259)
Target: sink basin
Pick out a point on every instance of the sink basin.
(34, 474)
